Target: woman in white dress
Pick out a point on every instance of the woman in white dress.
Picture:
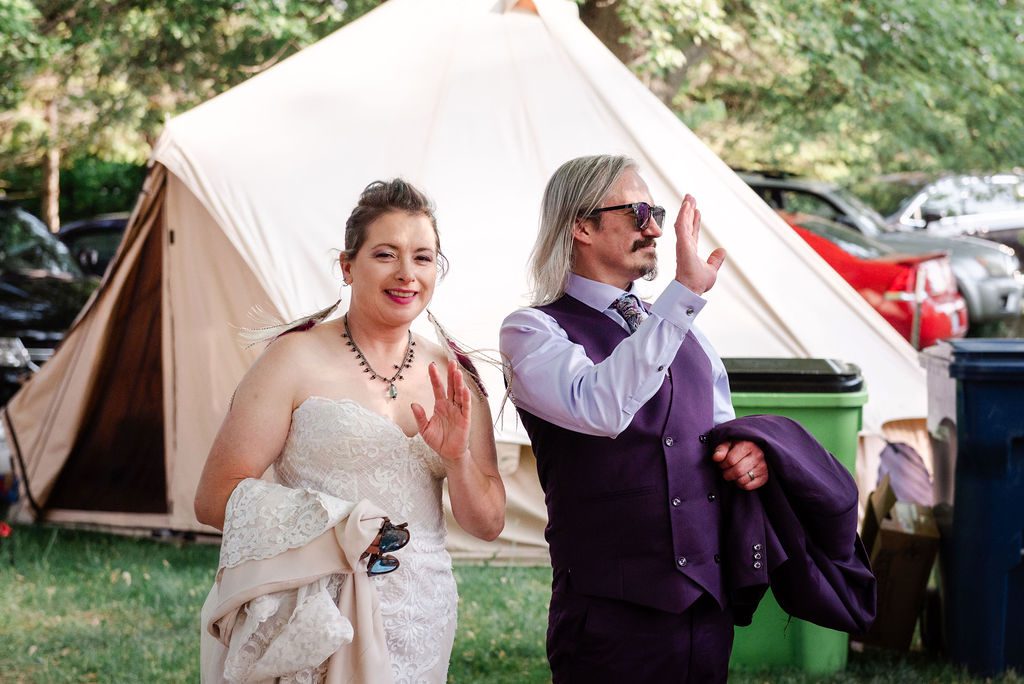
(359, 408)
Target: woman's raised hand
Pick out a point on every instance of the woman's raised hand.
(447, 431)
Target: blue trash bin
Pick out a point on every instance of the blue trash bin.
(985, 611)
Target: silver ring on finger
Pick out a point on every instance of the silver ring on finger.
(750, 474)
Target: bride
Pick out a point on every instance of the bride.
(361, 408)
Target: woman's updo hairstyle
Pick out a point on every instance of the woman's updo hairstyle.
(377, 199)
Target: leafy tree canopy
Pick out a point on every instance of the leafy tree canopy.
(116, 69)
(834, 89)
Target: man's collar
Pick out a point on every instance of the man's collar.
(596, 295)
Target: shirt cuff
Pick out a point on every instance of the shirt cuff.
(678, 305)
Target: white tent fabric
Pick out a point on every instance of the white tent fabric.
(477, 105)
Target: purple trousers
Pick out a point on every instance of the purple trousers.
(593, 639)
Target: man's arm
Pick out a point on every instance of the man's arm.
(723, 410)
(554, 379)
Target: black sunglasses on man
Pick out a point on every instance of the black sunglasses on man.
(642, 213)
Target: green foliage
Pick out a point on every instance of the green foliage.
(843, 90)
(21, 48)
(93, 186)
(117, 70)
(837, 89)
(89, 187)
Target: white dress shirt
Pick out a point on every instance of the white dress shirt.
(554, 379)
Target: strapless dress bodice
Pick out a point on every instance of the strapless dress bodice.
(340, 447)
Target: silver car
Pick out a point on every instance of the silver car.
(987, 274)
(990, 207)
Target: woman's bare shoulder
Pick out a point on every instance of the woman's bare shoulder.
(296, 350)
(434, 352)
(430, 351)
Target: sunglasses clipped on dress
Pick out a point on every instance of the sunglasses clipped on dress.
(392, 538)
(642, 213)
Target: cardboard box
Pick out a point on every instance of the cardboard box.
(902, 540)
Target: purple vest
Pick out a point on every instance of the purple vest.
(634, 518)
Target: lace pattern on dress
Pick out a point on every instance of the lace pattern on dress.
(264, 519)
(346, 450)
(288, 635)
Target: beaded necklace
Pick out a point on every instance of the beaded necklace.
(392, 391)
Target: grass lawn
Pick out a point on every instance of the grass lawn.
(88, 607)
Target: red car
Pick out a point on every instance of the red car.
(896, 285)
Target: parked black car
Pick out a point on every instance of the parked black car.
(93, 242)
(987, 273)
(42, 289)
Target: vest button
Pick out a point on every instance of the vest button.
(757, 556)
(757, 547)
(757, 565)
(718, 559)
(711, 496)
(676, 501)
(669, 441)
(703, 439)
(681, 561)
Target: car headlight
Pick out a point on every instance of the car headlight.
(13, 353)
(996, 265)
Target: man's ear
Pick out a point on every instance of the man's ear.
(583, 230)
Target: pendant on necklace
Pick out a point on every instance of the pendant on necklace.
(410, 353)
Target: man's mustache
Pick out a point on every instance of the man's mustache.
(641, 244)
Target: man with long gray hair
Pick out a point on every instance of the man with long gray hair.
(618, 398)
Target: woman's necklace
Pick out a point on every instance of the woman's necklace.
(390, 382)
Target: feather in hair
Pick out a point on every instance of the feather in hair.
(270, 327)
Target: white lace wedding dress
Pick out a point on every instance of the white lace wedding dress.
(341, 448)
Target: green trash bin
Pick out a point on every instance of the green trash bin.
(826, 397)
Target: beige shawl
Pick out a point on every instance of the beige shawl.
(271, 614)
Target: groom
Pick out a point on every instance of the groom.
(618, 401)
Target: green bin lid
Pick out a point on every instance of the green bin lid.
(817, 376)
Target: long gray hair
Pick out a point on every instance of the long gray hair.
(575, 190)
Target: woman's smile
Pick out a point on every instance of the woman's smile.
(400, 296)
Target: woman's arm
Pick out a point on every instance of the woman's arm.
(460, 431)
(252, 434)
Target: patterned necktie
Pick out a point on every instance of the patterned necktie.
(630, 309)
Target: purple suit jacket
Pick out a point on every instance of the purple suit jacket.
(798, 533)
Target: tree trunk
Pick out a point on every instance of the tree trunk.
(602, 18)
(51, 171)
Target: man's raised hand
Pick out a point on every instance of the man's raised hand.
(697, 275)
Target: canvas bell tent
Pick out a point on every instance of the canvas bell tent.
(475, 101)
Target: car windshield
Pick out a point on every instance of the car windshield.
(847, 239)
(27, 245)
(864, 209)
(888, 195)
(993, 194)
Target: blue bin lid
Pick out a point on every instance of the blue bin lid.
(998, 359)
